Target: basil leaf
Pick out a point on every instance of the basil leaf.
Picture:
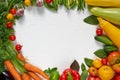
(101, 53)
(84, 75)
(88, 62)
(91, 20)
(83, 67)
(75, 65)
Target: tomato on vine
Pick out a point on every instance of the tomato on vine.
(12, 37)
(18, 47)
(49, 1)
(9, 24)
(13, 11)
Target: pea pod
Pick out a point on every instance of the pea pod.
(104, 39)
(110, 48)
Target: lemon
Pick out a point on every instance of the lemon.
(105, 72)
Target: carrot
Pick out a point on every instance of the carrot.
(25, 76)
(35, 69)
(10, 67)
(34, 76)
(21, 57)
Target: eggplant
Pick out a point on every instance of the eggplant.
(6, 76)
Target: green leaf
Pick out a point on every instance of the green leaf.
(54, 75)
(84, 75)
(88, 62)
(83, 67)
(50, 70)
(91, 20)
(75, 65)
(101, 53)
(53, 69)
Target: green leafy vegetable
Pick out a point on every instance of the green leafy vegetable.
(88, 61)
(75, 65)
(101, 53)
(83, 67)
(91, 20)
(84, 75)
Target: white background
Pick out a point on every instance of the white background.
(55, 39)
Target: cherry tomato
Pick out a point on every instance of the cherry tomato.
(12, 37)
(9, 24)
(117, 77)
(49, 1)
(99, 32)
(104, 61)
(18, 47)
(13, 11)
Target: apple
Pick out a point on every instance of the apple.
(114, 57)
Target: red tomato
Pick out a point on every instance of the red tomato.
(113, 57)
(93, 78)
(97, 78)
(104, 61)
(99, 32)
(13, 11)
(117, 77)
(75, 74)
(18, 47)
(9, 24)
(49, 1)
(12, 37)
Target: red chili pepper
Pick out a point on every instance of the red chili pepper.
(75, 75)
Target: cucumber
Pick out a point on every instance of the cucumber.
(104, 39)
(110, 48)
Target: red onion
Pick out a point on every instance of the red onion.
(39, 3)
(20, 12)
